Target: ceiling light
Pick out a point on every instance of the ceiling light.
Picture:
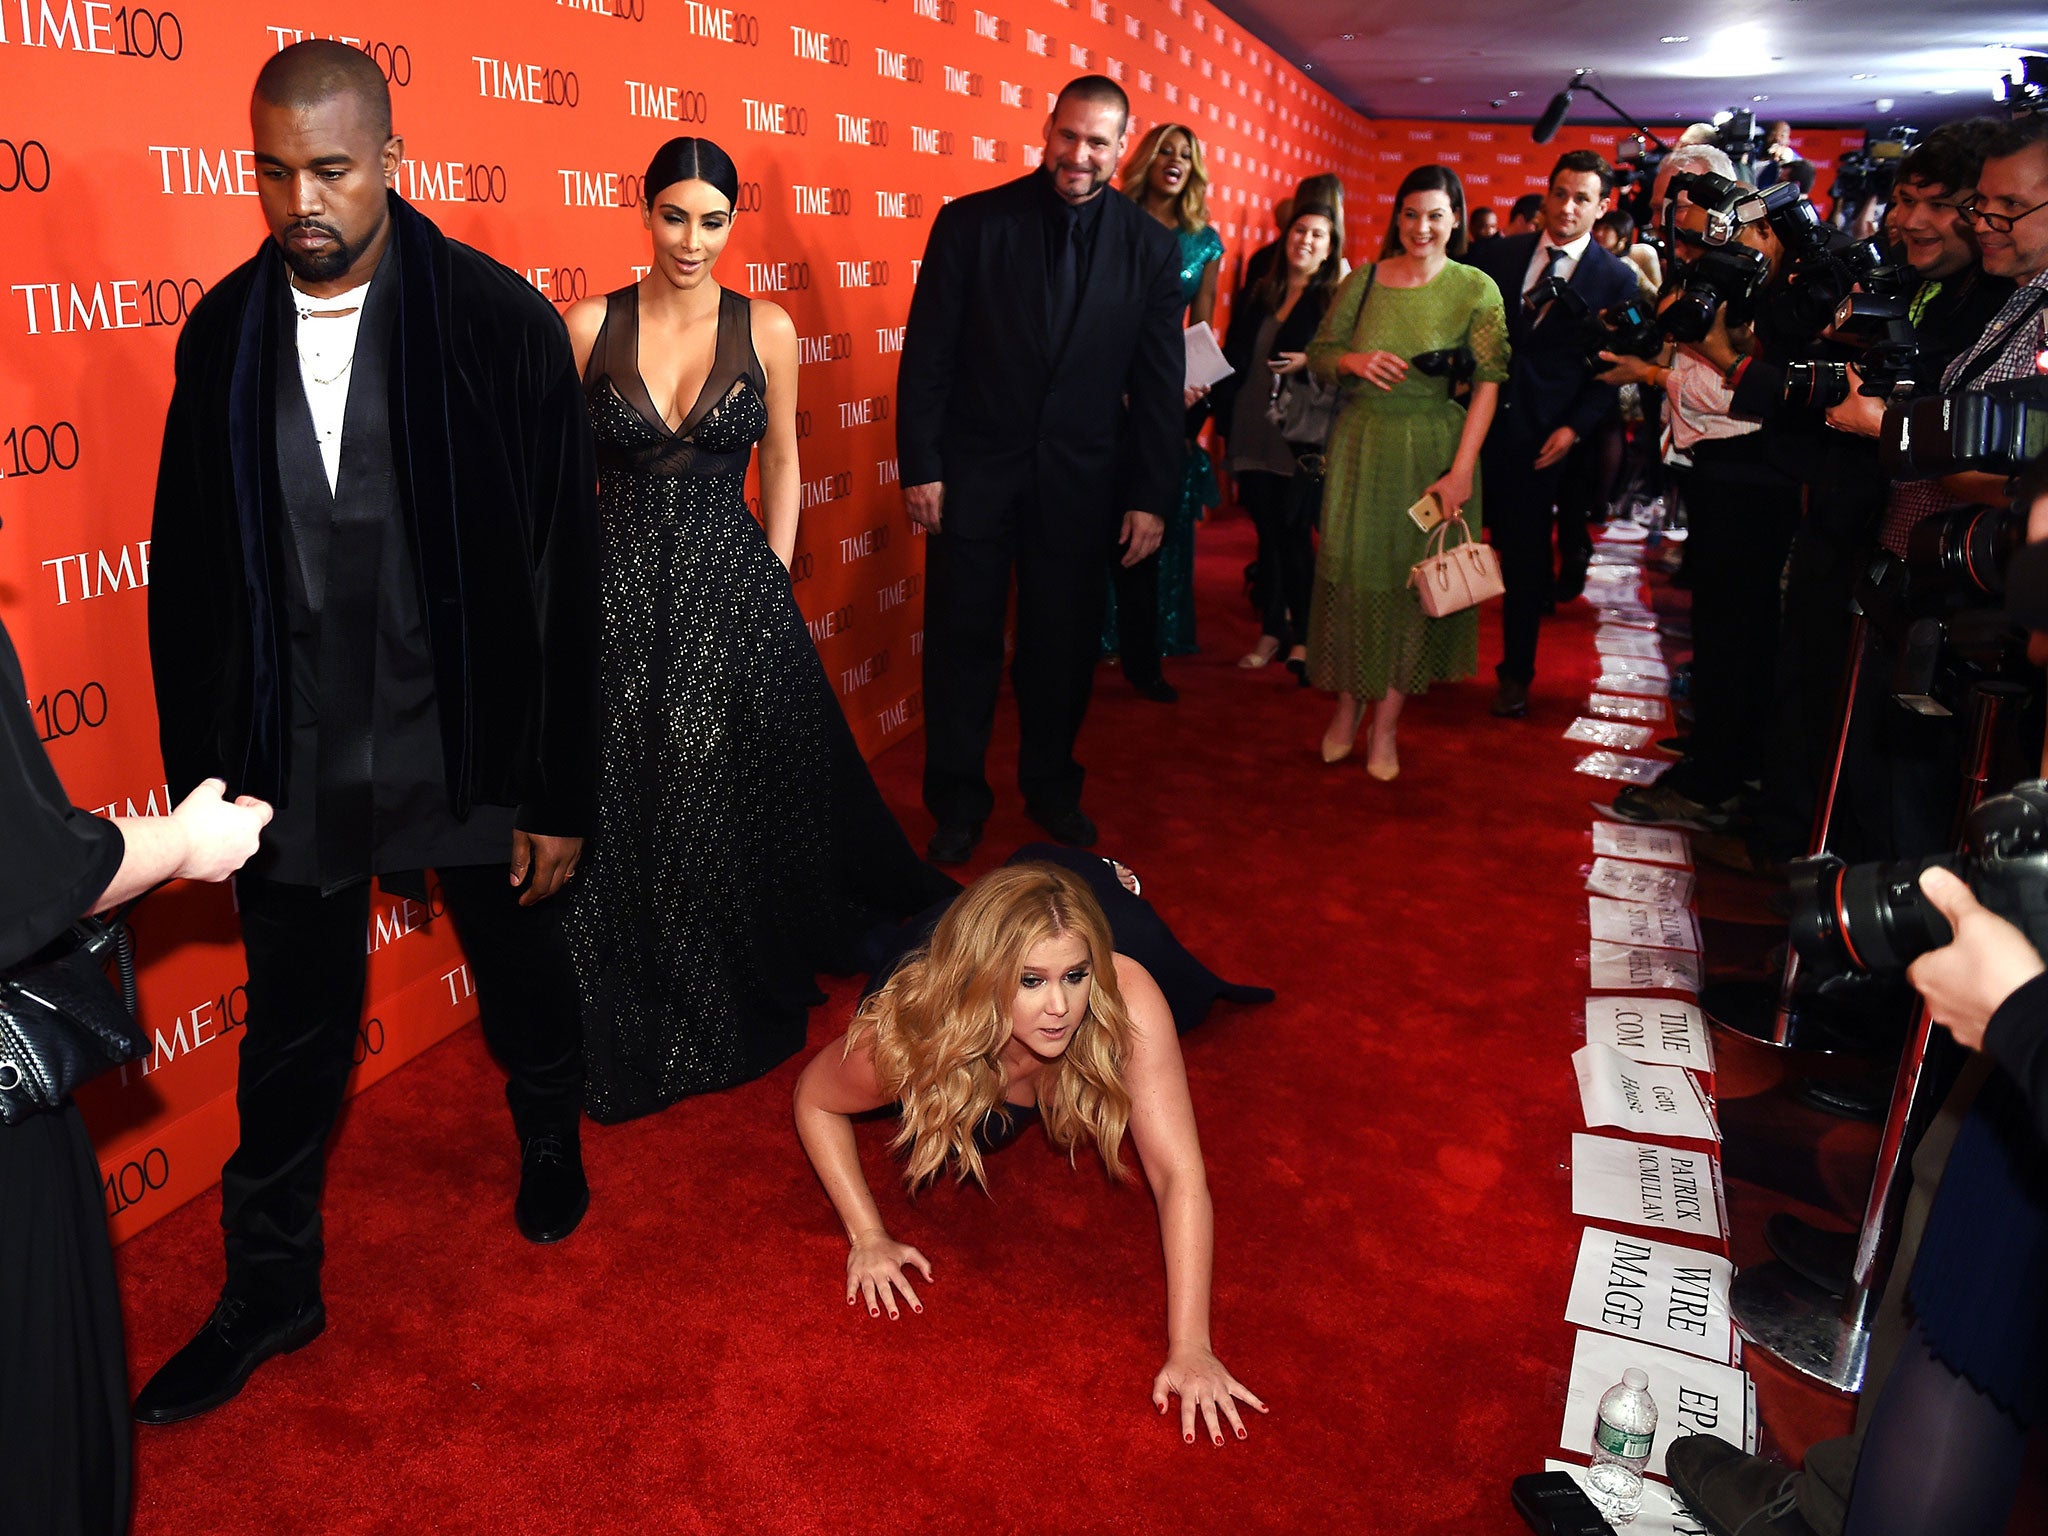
(1759, 98)
(1425, 79)
(1675, 37)
(1863, 77)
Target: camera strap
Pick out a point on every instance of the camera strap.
(1992, 346)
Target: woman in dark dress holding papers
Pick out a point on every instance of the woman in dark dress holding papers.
(1166, 177)
(1270, 329)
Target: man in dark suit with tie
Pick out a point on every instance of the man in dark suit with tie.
(1551, 399)
(1038, 428)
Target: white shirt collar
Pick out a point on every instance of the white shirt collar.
(1575, 250)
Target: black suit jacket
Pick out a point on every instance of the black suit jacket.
(498, 482)
(1549, 385)
(983, 404)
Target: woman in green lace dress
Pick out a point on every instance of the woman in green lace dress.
(1397, 435)
(1166, 176)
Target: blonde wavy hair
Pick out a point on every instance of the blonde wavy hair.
(939, 1025)
(1193, 210)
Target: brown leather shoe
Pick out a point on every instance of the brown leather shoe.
(1733, 1493)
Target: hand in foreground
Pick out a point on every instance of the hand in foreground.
(1555, 447)
(1453, 489)
(1288, 362)
(1965, 981)
(1190, 393)
(923, 503)
(552, 860)
(220, 836)
(874, 1269)
(1860, 413)
(1385, 369)
(1140, 536)
(1200, 1381)
(1627, 370)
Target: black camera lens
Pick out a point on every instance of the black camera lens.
(1967, 549)
(1866, 917)
(1691, 315)
(1817, 385)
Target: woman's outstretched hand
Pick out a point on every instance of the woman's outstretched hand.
(874, 1269)
(1200, 1381)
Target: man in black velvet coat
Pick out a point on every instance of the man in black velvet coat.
(1551, 399)
(1038, 427)
(373, 602)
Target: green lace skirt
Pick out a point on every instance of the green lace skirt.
(1367, 631)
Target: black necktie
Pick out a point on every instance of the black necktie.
(1064, 292)
(1552, 255)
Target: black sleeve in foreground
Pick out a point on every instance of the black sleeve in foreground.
(55, 859)
(2017, 1039)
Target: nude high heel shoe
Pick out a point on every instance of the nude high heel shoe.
(1336, 749)
(1384, 766)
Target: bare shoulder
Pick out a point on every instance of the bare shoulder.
(1143, 1000)
(772, 323)
(842, 1078)
(584, 318)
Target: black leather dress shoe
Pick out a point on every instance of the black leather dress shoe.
(952, 845)
(1070, 826)
(553, 1194)
(1511, 702)
(1158, 690)
(241, 1335)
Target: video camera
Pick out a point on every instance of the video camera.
(1874, 917)
(1873, 170)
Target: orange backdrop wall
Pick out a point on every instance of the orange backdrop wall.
(126, 188)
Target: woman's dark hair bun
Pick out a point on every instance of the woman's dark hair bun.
(691, 160)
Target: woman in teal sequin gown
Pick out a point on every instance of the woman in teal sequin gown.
(1167, 176)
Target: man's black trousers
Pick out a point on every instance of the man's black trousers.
(308, 955)
(1060, 592)
(1517, 500)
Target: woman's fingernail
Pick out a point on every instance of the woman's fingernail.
(1240, 1434)
(1190, 1439)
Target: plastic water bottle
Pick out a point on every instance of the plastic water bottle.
(1621, 1445)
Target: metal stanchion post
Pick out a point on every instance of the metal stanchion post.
(1777, 1310)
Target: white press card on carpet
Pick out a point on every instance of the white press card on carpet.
(1676, 1189)
(1663, 1294)
(1642, 1097)
(1658, 1029)
(1694, 1396)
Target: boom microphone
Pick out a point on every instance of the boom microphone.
(1554, 114)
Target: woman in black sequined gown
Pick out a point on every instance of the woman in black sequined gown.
(741, 843)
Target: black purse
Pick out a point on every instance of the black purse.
(63, 1022)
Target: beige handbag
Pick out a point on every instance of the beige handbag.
(1450, 578)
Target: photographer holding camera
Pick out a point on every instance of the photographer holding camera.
(1742, 504)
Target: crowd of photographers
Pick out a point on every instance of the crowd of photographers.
(1853, 415)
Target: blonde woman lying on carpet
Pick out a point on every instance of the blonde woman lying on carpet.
(1009, 1013)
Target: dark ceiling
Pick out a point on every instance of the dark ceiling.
(1813, 61)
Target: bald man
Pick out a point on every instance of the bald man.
(373, 603)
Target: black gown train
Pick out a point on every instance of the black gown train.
(741, 844)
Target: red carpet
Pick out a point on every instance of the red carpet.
(1386, 1145)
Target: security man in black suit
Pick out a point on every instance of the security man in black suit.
(1038, 427)
(1551, 399)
